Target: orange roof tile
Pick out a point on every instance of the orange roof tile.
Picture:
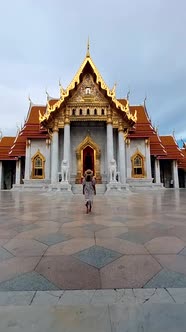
(6, 141)
(31, 129)
(33, 116)
(142, 116)
(172, 148)
(144, 129)
(52, 101)
(5, 145)
(123, 101)
(182, 162)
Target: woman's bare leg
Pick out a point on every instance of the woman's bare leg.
(87, 206)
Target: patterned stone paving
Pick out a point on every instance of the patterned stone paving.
(97, 256)
(166, 278)
(31, 281)
(51, 239)
(4, 254)
(48, 242)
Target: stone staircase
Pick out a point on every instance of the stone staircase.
(78, 189)
(143, 184)
(32, 185)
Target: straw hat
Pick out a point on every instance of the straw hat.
(88, 172)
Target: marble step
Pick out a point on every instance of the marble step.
(78, 188)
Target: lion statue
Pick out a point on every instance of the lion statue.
(64, 170)
(112, 170)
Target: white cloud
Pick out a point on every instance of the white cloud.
(139, 44)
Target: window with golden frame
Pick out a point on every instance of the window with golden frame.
(38, 163)
(138, 166)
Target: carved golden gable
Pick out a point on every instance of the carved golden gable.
(88, 92)
(88, 67)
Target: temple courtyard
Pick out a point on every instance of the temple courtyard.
(48, 242)
(120, 268)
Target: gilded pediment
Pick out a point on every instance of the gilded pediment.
(88, 92)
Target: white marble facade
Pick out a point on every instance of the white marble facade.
(111, 144)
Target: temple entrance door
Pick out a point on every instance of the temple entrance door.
(88, 159)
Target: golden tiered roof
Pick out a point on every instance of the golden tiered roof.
(64, 93)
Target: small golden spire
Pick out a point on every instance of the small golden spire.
(113, 91)
(62, 91)
(88, 49)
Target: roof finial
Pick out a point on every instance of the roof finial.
(157, 128)
(47, 94)
(88, 49)
(145, 100)
(184, 144)
(128, 93)
(30, 100)
(113, 91)
(62, 91)
(18, 125)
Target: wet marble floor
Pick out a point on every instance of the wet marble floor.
(49, 243)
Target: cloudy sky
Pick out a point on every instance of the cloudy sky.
(139, 44)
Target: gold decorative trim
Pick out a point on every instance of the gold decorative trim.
(120, 125)
(147, 142)
(76, 80)
(143, 174)
(127, 140)
(88, 141)
(48, 142)
(38, 154)
(28, 143)
(55, 127)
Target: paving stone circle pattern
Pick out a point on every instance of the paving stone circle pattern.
(49, 243)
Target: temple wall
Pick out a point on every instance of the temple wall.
(61, 147)
(138, 145)
(175, 174)
(115, 146)
(128, 161)
(1, 175)
(44, 150)
(98, 135)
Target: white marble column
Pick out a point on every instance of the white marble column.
(109, 142)
(27, 160)
(157, 171)
(128, 158)
(148, 159)
(175, 174)
(66, 154)
(1, 175)
(54, 155)
(121, 152)
(66, 145)
(110, 147)
(48, 161)
(18, 171)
